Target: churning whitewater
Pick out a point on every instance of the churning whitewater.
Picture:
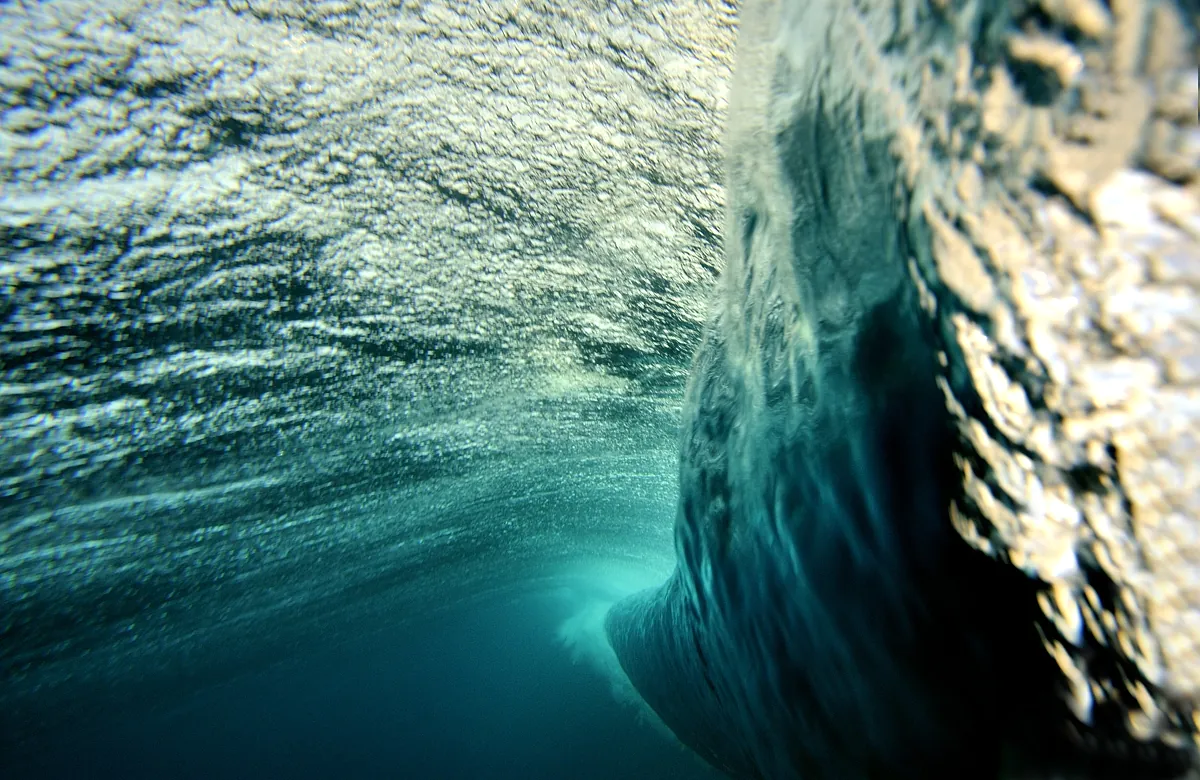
(367, 409)
(826, 620)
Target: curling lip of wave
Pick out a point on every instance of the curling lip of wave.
(826, 621)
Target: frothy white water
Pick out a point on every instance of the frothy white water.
(592, 592)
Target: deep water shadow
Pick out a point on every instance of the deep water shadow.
(485, 693)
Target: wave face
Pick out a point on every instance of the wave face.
(826, 621)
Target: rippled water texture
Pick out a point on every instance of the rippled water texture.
(359, 357)
(324, 317)
(850, 602)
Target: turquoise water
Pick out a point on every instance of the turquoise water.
(486, 692)
(322, 322)
(425, 390)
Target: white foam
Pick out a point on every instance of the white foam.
(591, 593)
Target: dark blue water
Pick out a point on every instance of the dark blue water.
(484, 693)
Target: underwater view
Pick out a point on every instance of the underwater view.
(648, 389)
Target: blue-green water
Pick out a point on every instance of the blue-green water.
(322, 323)
(427, 390)
(486, 692)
